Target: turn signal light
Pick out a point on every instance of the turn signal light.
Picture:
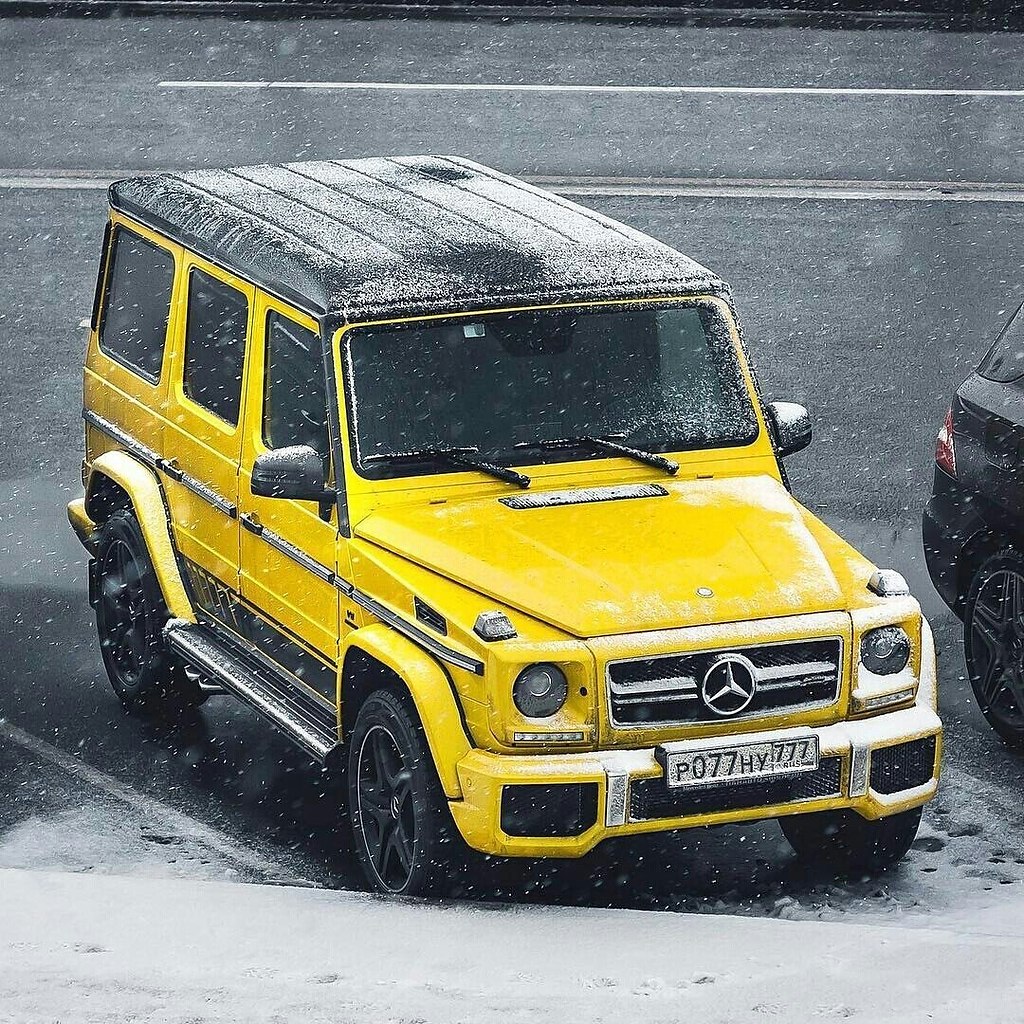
(945, 456)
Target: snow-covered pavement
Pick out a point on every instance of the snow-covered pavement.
(86, 948)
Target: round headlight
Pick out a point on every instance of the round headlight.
(885, 651)
(540, 690)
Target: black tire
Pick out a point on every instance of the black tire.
(405, 837)
(844, 841)
(130, 617)
(994, 643)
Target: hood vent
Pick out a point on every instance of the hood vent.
(584, 496)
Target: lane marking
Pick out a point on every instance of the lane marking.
(624, 187)
(171, 819)
(648, 90)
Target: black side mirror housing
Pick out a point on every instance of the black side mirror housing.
(791, 425)
(296, 472)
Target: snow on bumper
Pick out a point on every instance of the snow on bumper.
(627, 793)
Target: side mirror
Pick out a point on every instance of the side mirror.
(791, 425)
(296, 472)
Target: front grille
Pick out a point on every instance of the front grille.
(903, 766)
(666, 690)
(651, 798)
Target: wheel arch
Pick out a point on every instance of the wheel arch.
(117, 481)
(982, 546)
(376, 657)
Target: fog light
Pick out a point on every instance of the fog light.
(885, 651)
(540, 690)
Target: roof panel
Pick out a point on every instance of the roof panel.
(369, 239)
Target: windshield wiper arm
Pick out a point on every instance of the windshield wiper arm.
(607, 444)
(464, 458)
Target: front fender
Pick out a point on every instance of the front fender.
(431, 690)
(143, 490)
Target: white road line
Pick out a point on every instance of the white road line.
(175, 821)
(651, 90)
(709, 188)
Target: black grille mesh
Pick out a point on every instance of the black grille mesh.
(651, 798)
(904, 766)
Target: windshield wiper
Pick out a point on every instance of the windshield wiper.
(606, 444)
(464, 458)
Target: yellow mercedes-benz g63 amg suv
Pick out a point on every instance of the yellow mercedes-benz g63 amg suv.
(471, 492)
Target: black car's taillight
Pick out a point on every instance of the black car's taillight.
(945, 455)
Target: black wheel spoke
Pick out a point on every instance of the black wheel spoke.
(403, 848)
(991, 680)
(988, 623)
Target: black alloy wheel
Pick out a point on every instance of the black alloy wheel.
(130, 616)
(403, 829)
(994, 643)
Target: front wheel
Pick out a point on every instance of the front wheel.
(130, 617)
(845, 841)
(404, 833)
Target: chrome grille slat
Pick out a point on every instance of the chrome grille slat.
(664, 689)
(656, 698)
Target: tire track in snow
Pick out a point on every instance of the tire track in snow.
(154, 810)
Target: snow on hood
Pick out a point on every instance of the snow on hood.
(627, 565)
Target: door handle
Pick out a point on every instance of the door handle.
(251, 522)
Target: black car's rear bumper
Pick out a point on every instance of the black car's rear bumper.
(951, 521)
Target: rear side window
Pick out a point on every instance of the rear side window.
(215, 345)
(1005, 359)
(137, 305)
(294, 396)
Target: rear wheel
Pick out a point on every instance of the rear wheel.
(404, 833)
(845, 841)
(994, 643)
(130, 617)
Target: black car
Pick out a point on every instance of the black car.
(974, 527)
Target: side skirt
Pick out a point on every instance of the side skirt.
(303, 718)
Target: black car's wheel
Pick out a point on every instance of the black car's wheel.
(130, 616)
(845, 841)
(403, 829)
(994, 643)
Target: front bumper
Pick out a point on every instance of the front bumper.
(870, 771)
(617, 775)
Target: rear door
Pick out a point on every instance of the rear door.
(289, 549)
(203, 436)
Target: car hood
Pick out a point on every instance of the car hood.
(705, 551)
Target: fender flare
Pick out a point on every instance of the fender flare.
(432, 692)
(143, 490)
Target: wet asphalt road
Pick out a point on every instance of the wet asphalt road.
(870, 312)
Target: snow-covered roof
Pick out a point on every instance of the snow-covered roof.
(381, 237)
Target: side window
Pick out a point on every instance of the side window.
(215, 345)
(294, 396)
(137, 304)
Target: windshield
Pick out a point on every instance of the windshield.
(662, 379)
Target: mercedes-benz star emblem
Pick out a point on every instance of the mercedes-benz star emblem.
(729, 685)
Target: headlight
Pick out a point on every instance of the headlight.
(540, 690)
(885, 651)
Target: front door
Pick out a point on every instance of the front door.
(288, 550)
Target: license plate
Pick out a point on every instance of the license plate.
(739, 762)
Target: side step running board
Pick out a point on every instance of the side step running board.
(303, 719)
